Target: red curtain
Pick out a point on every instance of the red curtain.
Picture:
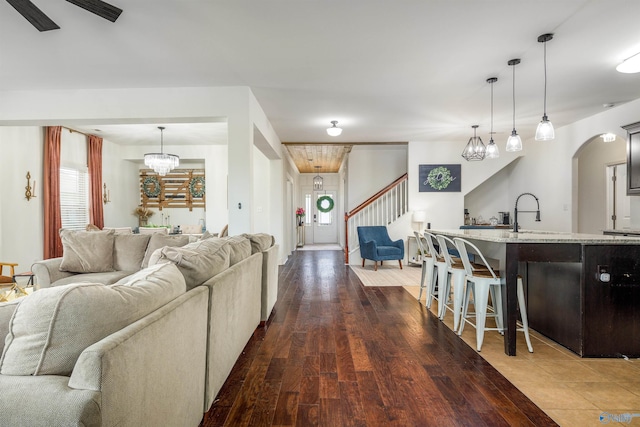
(94, 162)
(51, 199)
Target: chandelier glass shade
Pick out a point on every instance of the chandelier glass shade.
(492, 149)
(334, 130)
(545, 131)
(475, 148)
(161, 163)
(514, 143)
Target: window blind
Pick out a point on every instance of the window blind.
(74, 198)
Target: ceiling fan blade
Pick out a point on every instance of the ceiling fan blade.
(34, 15)
(100, 8)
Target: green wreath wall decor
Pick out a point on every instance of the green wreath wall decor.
(197, 181)
(439, 178)
(151, 186)
(320, 204)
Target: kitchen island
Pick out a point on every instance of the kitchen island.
(582, 290)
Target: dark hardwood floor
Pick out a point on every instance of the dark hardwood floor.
(336, 353)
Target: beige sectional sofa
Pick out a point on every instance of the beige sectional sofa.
(162, 364)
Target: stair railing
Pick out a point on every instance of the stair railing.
(383, 208)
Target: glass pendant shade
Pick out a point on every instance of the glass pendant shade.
(161, 163)
(492, 150)
(514, 143)
(545, 131)
(475, 148)
(334, 130)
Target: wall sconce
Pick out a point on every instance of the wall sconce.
(29, 192)
(106, 194)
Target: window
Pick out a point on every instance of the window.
(74, 198)
(308, 209)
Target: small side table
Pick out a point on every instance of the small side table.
(300, 236)
(20, 289)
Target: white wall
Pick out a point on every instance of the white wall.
(371, 168)
(116, 106)
(261, 194)
(492, 196)
(21, 221)
(593, 159)
(544, 169)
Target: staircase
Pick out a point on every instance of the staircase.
(383, 208)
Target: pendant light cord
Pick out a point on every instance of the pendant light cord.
(491, 131)
(514, 96)
(545, 78)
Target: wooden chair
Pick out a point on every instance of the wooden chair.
(9, 281)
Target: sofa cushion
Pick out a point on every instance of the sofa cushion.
(197, 261)
(239, 248)
(6, 311)
(108, 278)
(260, 242)
(87, 252)
(159, 240)
(129, 251)
(51, 327)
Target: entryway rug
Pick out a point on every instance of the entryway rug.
(388, 275)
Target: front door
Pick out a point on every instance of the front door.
(325, 217)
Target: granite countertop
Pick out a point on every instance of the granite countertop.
(538, 236)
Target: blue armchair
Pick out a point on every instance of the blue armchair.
(376, 245)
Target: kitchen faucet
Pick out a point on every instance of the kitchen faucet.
(515, 212)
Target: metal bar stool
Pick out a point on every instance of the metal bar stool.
(482, 283)
(439, 263)
(427, 265)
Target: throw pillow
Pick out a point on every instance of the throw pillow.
(260, 242)
(240, 248)
(87, 252)
(51, 327)
(159, 240)
(198, 261)
(129, 250)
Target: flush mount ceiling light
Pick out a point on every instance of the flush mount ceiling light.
(608, 137)
(475, 149)
(317, 180)
(161, 162)
(630, 65)
(492, 149)
(334, 130)
(514, 143)
(545, 131)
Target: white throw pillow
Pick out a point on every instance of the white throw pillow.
(87, 252)
(51, 327)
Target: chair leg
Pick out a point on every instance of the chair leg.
(400, 261)
(523, 314)
(465, 306)
(363, 262)
(459, 280)
(375, 265)
(481, 300)
(422, 277)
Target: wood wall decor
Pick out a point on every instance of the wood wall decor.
(181, 188)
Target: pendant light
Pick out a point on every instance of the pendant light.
(317, 180)
(475, 149)
(514, 143)
(334, 130)
(161, 162)
(492, 149)
(545, 131)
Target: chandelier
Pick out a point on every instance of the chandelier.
(161, 162)
(317, 180)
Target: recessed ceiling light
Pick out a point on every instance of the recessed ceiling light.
(630, 65)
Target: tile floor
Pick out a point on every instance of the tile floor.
(574, 391)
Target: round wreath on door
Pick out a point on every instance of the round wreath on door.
(324, 204)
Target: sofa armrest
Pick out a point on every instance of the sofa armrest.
(46, 400)
(155, 363)
(269, 281)
(368, 249)
(48, 272)
(399, 244)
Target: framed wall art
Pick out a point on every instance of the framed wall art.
(439, 178)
